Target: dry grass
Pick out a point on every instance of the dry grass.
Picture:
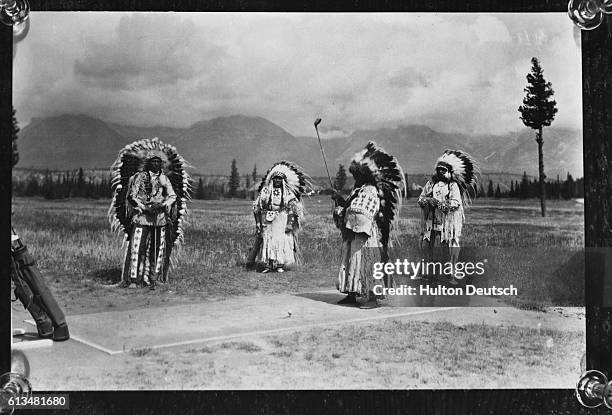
(77, 252)
(383, 355)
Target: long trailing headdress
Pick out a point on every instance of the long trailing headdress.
(383, 171)
(294, 177)
(464, 171)
(132, 159)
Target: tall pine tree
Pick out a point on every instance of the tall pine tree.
(538, 111)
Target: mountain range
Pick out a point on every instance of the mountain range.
(72, 141)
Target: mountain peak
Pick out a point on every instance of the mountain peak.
(68, 141)
(236, 126)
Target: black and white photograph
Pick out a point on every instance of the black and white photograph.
(273, 201)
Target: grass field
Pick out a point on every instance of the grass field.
(442, 355)
(365, 357)
(79, 256)
(76, 251)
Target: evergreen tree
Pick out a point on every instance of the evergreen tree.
(490, 192)
(80, 184)
(69, 185)
(15, 156)
(87, 189)
(103, 189)
(254, 174)
(512, 191)
(340, 180)
(568, 187)
(59, 188)
(234, 180)
(524, 188)
(199, 194)
(247, 185)
(538, 111)
(47, 186)
(408, 187)
(497, 192)
(18, 188)
(556, 193)
(32, 188)
(579, 186)
(481, 190)
(533, 188)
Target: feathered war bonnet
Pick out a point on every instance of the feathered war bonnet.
(133, 159)
(376, 166)
(464, 171)
(295, 180)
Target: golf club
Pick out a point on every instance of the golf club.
(316, 125)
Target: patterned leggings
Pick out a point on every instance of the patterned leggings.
(145, 254)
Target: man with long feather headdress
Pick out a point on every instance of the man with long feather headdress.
(443, 200)
(366, 220)
(150, 192)
(278, 210)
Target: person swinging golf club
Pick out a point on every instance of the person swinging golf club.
(365, 220)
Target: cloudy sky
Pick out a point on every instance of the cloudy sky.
(452, 72)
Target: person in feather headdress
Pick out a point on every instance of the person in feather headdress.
(366, 220)
(151, 189)
(278, 210)
(443, 200)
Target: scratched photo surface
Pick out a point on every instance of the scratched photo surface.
(232, 94)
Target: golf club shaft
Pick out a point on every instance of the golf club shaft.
(324, 160)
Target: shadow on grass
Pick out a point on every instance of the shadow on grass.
(569, 280)
(325, 297)
(107, 276)
(416, 300)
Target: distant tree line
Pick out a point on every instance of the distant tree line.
(218, 190)
(569, 188)
(525, 188)
(67, 184)
(62, 185)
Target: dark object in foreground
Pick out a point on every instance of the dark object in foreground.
(32, 291)
(251, 259)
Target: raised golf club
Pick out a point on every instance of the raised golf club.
(316, 125)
